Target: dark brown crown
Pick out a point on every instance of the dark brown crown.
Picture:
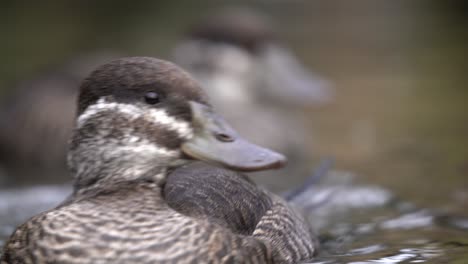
(129, 78)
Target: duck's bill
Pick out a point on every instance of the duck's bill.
(214, 141)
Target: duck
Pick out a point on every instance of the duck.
(257, 84)
(144, 128)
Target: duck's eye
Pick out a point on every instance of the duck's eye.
(151, 98)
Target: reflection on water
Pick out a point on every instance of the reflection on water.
(408, 252)
(412, 220)
(395, 239)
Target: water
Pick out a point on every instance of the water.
(413, 237)
(369, 224)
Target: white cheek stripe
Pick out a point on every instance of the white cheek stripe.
(158, 116)
(146, 148)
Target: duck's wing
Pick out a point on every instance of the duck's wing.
(236, 203)
(286, 228)
(223, 196)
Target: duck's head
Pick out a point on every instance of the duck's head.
(138, 117)
(235, 52)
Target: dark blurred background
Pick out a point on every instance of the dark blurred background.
(399, 69)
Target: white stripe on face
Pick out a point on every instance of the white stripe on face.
(145, 148)
(158, 116)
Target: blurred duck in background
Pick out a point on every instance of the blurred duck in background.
(36, 120)
(257, 84)
(234, 54)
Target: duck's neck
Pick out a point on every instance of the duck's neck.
(95, 167)
(103, 177)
